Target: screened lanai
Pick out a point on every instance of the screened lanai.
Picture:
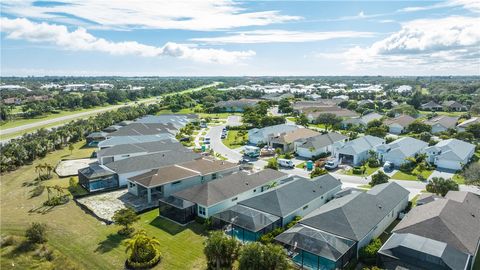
(176, 209)
(314, 249)
(244, 223)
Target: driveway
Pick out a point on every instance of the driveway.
(443, 174)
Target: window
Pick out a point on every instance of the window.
(234, 199)
(176, 183)
(201, 211)
(214, 176)
(131, 185)
(254, 190)
(202, 179)
(305, 207)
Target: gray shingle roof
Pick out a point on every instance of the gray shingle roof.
(446, 220)
(152, 161)
(147, 147)
(178, 120)
(134, 139)
(291, 196)
(402, 120)
(323, 140)
(354, 215)
(95, 170)
(405, 147)
(226, 187)
(443, 120)
(455, 149)
(361, 145)
(139, 129)
(264, 132)
(423, 252)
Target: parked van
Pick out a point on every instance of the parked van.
(206, 140)
(287, 163)
(331, 164)
(251, 151)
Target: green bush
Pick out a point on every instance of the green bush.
(373, 163)
(145, 265)
(36, 233)
(358, 170)
(368, 253)
(57, 200)
(318, 172)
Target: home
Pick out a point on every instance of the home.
(260, 136)
(366, 102)
(12, 101)
(123, 151)
(463, 125)
(299, 106)
(441, 234)
(355, 151)
(118, 140)
(281, 205)
(441, 123)
(312, 113)
(166, 180)
(399, 150)
(363, 120)
(236, 105)
(317, 145)
(142, 129)
(210, 197)
(277, 96)
(177, 120)
(431, 106)
(314, 96)
(452, 105)
(287, 141)
(451, 154)
(331, 236)
(341, 98)
(95, 137)
(399, 124)
(115, 174)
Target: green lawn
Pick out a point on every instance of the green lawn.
(459, 179)
(410, 177)
(301, 165)
(234, 140)
(81, 237)
(368, 171)
(443, 113)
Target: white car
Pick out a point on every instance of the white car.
(287, 163)
(206, 140)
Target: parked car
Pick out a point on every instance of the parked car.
(251, 151)
(206, 140)
(244, 161)
(388, 166)
(287, 163)
(331, 164)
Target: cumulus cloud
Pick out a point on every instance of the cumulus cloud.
(472, 5)
(81, 40)
(201, 15)
(277, 36)
(428, 43)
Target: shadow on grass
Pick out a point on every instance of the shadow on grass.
(112, 241)
(41, 209)
(167, 225)
(23, 247)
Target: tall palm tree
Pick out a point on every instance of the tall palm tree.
(39, 169)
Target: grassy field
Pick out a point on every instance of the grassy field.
(410, 177)
(81, 237)
(234, 140)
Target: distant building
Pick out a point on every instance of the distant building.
(14, 87)
(341, 98)
(236, 105)
(442, 123)
(463, 126)
(399, 124)
(76, 87)
(362, 120)
(431, 106)
(99, 86)
(453, 105)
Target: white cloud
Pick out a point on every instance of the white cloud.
(275, 36)
(81, 40)
(446, 43)
(201, 15)
(472, 5)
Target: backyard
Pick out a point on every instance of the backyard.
(79, 236)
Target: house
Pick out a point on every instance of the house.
(341, 98)
(236, 105)
(362, 120)
(399, 150)
(142, 129)
(403, 89)
(366, 102)
(210, 197)
(281, 205)
(331, 236)
(166, 180)
(314, 96)
(12, 101)
(399, 124)
(277, 96)
(463, 126)
(451, 154)
(260, 136)
(112, 128)
(441, 234)
(431, 106)
(76, 87)
(441, 123)
(452, 105)
(123, 151)
(316, 145)
(425, 198)
(95, 137)
(299, 106)
(118, 140)
(312, 113)
(177, 120)
(355, 151)
(287, 141)
(115, 174)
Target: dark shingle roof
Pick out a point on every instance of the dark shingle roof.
(446, 220)
(163, 176)
(208, 165)
(323, 140)
(147, 147)
(95, 170)
(291, 196)
(152, 161)
(354, 215)
(138, 129)
(226, 187)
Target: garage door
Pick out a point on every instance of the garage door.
(448, 164)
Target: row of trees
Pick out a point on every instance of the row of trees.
(31, 146)
(222, 251)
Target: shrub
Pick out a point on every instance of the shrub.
(36, 233)
(407, 167)
(358, 170)
(57, 200)
(368, 253)
(44, 253)
(379, 178)
(8, 240)
(373, 163)
(318, 172)
(37, 191)
(272, 164)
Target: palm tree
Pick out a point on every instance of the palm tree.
(220, 250)
(49, 168)
(39, 169)
(142, 248)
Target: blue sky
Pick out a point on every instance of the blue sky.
(221, 37)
